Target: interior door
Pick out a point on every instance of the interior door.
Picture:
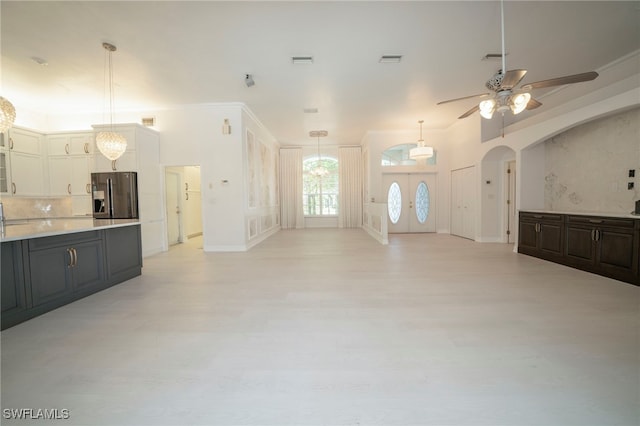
(172, 183)
(410, 202)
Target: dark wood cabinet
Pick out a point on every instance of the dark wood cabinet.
(41, 274)
(606, 246)
(63, 265)
(541, 235)
(14, 297)
(125, 253)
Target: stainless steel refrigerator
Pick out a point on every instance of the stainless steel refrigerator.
(115, 195)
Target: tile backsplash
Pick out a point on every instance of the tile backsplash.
(35, 208)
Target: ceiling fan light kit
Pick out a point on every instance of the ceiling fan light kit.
(508, 98)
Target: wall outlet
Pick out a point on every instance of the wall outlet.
(630, 185)
(632, 173)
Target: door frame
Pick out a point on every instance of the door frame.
(179, 176)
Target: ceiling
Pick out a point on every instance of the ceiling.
(174, 53)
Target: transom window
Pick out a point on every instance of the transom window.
(320, 193)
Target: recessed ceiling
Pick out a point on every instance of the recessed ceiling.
(183, 53)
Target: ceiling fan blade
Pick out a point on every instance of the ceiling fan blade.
(568, 79)
(533, 104)
(466, 97)
(511, 78)
(471, 111)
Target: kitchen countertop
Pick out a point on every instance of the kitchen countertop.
(601, 214)
(23, 229)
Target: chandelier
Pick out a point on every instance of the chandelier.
(7, 114)
(111, 144)
(319, 171)
(421, 151)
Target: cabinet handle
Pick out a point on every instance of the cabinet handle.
(70, 253)
(66, 148)
(537, 216)
(13, 187)
(69, 188)
(186, 196)
(537, 227)
(88, 188)
(113, 165)
(595, 220)
(186, 186)
(597, 235)
(593, 235)
(86, 147)
(10, 143)
(75, 257)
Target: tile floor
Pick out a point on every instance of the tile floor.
(328, 327)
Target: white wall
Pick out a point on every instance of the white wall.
(586, 167)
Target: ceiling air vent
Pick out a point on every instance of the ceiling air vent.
(302, 59)
(390, 59)
(310, 110)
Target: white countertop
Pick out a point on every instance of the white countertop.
(14, 230)
(601, 214)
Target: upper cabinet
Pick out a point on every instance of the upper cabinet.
(24, 169)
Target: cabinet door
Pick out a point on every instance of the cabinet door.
(580, 244)
(51, 272)
(550, 238)
(59, 176)
(12, 280)
(124, 252)
(89, 269)
(528, 236)
(58, 145)
(27, 176)
(4, 173)
(617, 251)
(24, 141)
(82, 144)
(80, 175)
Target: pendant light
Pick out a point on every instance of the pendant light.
(111, 144)
(421, 151)
(319, 170)
(7, 115)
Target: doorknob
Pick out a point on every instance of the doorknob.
(177, 210)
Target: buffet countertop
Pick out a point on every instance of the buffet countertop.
(601, 214)
(23, 229)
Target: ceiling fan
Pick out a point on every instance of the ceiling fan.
(506, 96)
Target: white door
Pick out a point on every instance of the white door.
(411, 202)
(172, 183)
(463, 200)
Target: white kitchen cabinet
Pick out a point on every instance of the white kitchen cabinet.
(25, 171)
(27, 175)
(70, 163)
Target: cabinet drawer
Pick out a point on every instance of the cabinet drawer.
(63, 240)
(602, 221)
(529, 216)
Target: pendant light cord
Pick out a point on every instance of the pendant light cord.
(504, 53)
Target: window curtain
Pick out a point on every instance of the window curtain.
(350, 183)
(291, 216)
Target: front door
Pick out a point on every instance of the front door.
(411, 202)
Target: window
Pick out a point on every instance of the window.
(320, 194)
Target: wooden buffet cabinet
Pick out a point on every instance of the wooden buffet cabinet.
(604, 245)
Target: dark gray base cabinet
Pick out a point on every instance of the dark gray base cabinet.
(42, 274)
(602, 245)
